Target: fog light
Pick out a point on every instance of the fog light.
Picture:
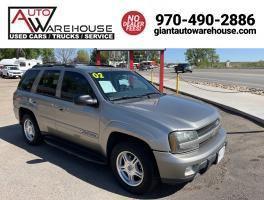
(189, 171)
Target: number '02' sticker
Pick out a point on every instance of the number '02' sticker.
(97, 75)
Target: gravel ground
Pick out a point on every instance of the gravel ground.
(216, 78)
(42, 172)
(238, 88)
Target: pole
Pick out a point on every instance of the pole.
(177, 83)
(98, 58)
(131, 60)
(161, 80)
(151, 76)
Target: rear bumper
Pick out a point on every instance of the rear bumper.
(16, 112)
(172, 167)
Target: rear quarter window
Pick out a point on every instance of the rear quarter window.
(28, 80)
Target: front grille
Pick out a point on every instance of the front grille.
(208, 128)
(208, 131)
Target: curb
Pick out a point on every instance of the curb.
(252, 118)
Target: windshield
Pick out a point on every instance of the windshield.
(184, 65)
(12, 68)
(119, 85)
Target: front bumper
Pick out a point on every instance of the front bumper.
(14, 75)
(172, 167)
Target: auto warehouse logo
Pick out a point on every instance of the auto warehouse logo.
(35, 23)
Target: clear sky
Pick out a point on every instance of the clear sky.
(177, 55)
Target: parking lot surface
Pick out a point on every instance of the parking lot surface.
(43, 172)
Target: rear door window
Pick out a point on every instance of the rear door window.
(28, 80)
(48, 82)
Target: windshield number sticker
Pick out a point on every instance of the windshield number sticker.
(98, 75)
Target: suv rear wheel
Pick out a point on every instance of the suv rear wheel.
(31, 130)
(134, 167)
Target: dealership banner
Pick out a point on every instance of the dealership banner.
(131, 24)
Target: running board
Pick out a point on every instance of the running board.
(75, 150)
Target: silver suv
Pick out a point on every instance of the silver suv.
(115, 116)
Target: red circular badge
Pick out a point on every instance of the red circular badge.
(133, 22)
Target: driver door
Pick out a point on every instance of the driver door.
(77, 123)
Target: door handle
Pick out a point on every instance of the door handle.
(32, 101)
(60, 108)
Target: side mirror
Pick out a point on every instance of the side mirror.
(85, 100)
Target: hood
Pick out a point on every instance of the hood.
(175, 113)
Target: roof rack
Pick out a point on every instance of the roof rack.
(53, 65)
(70, 66)
(102, 65)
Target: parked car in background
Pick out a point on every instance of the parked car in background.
(170, 65)
(22, 63)
(1, 68)
(116, 117)
(136, 65)
(11, 71)
(122, 65)
(183, 67)
(145, 65)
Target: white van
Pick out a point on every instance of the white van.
(24, 64)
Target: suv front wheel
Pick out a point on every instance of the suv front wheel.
(31, 130)
(134, 167)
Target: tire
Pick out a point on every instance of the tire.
(145, 166)
(32, 135)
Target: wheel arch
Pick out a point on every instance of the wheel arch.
(118, 137)
(23, 111)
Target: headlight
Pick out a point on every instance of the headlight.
(182, 141)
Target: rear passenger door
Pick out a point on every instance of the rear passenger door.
(78, 123)
(45, 99)
(23, 95)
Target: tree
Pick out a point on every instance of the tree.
(82, 56)
(7, 53)
(146, 55)
(104, 57)
(65, 56)
(202, 57)
(48, 56)
(213, 58)
(93, 57)
(153, 56)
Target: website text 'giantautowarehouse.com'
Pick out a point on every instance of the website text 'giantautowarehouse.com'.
(209, 24)
(204, 31)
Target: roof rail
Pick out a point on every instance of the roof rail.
(53, 65)
(102, 65)
(70, 66)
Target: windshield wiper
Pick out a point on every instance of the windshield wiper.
(125, 97)
(148, 94)
(137, 96)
